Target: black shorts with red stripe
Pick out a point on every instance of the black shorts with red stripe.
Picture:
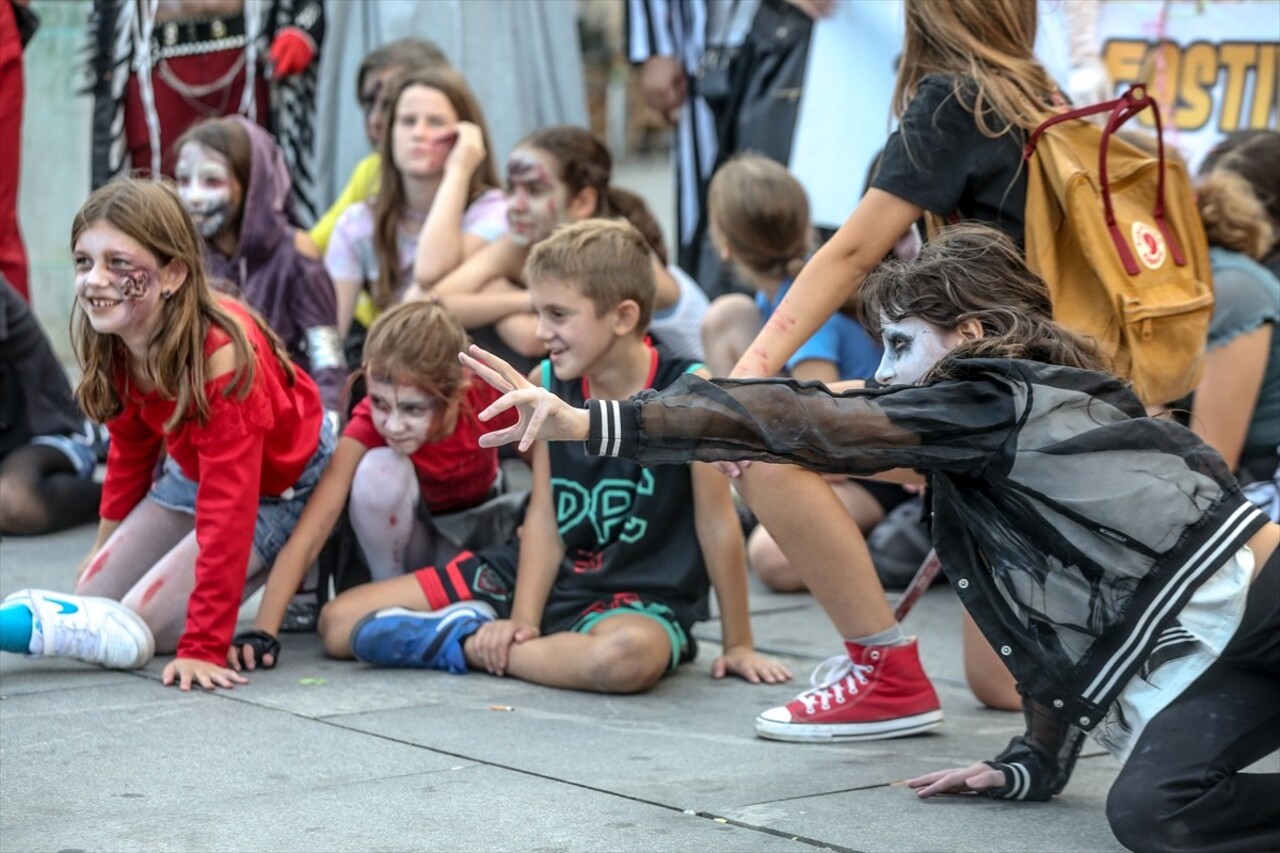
(490, 576)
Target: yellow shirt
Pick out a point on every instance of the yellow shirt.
(362, 185)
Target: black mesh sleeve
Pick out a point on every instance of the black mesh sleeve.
(1037, 765)
(954, 426)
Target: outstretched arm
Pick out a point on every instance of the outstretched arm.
(957, 425)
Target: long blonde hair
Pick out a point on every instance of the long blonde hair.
(151, 213)
(988, 47)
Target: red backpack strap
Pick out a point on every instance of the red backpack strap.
(1132, 102)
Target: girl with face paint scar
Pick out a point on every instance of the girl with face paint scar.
(374, 78)
(555, 176)
(1110, 556)
(410, 453)
(173, 367)
(438, 201)
(233, 182)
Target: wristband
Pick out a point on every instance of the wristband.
(262, 643)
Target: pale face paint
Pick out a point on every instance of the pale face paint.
(574, 336)
(117, 282)
(402, 414)
(536, 201)
(912, 347)
(208, 188)
(422, 134)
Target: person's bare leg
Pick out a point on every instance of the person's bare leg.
(731, 324)
(339, 616)
(626, 653)
(383, 512)
(772, 566)
(818, 536)
(148, 533)
(988, 677)
(160, 596)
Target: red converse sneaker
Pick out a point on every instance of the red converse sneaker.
(876, 692)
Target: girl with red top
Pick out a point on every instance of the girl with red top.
(171, 366)
(410, 452)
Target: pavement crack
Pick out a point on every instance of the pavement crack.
(801, 839)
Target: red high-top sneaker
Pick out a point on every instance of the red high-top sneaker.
(875, 692)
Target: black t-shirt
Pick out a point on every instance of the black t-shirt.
(940, 160)
(626, 528)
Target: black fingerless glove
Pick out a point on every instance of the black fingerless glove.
(1038, 764)
(262, 644)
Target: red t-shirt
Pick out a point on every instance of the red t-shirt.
(249, 448)
(455, 472)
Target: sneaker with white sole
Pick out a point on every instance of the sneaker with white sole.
(396, 636)
(87, 628)
(874, 693)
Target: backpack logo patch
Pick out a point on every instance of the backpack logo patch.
(1149, 244)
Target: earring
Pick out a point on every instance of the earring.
(165, 294)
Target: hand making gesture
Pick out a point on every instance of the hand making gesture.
(543, 415)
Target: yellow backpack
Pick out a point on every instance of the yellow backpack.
(1115, 233)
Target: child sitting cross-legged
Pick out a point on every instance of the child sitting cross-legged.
(614, 562)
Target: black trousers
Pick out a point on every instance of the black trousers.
(1182, 789)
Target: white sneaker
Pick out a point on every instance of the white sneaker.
(95, 630)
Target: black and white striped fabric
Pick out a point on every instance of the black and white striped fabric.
(684, 28)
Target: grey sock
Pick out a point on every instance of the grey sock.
(888, 637)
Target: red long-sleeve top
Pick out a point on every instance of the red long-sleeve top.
(249, 448)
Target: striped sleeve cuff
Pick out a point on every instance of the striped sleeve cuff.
(613, 428)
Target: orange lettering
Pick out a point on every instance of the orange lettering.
(1265, 87)
(1199, 72)
(1124, 60)
(1236, 59)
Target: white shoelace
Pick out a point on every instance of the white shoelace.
(74, 636)
(835, 679)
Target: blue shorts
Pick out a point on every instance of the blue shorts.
(277, 516)
(77, 447)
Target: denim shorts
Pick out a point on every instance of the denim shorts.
(277, 516)
(80, 448)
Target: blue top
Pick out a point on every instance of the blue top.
(841, 340)
(1246, 296)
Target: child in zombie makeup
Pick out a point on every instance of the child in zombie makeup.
(233, 182)
(555, 176)
(437, 204)
(408, 462)
(1109, 556)
(173, 367)
(614, 561)
(374, 80)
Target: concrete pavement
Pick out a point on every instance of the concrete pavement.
(327, 755)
